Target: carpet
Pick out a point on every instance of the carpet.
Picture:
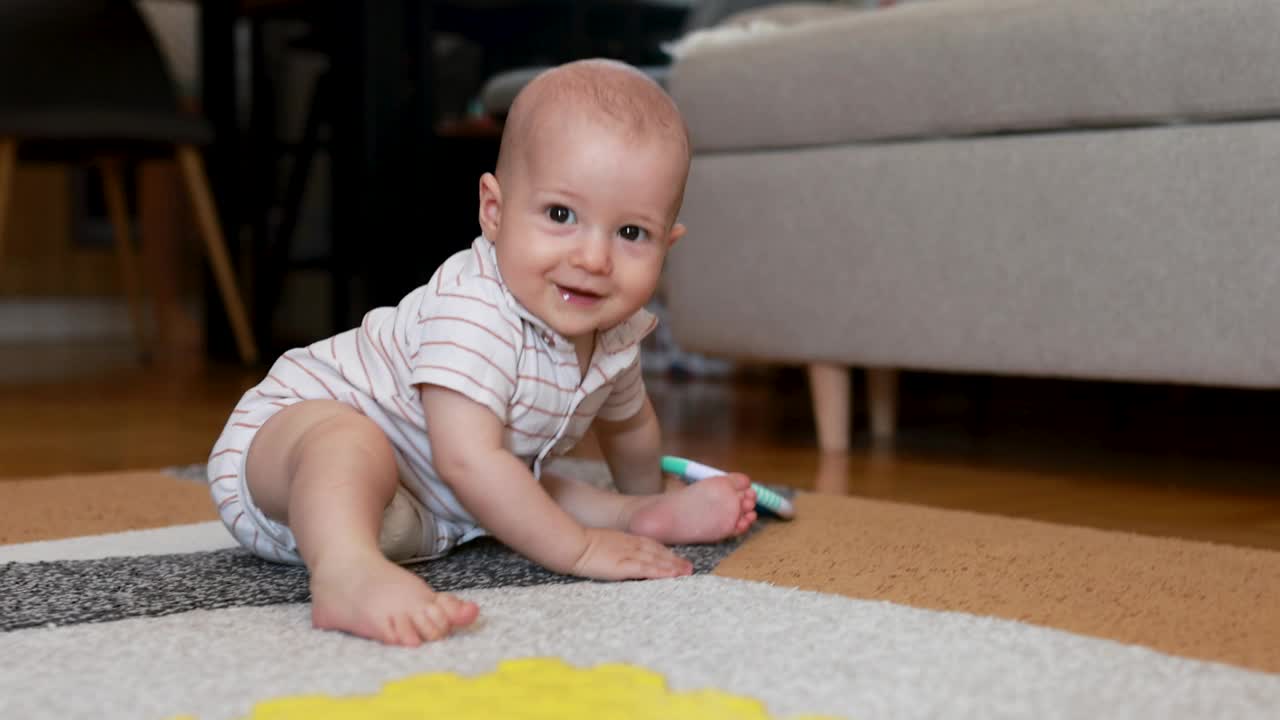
(856, 609)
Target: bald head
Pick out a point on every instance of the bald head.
(611, 94)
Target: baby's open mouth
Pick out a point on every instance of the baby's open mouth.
(577, 296)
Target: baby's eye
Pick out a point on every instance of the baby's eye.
(561, 214)
(633, 233)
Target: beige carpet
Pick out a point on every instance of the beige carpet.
(74, 505)
(1198, 600)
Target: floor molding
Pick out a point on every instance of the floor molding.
(25, 320)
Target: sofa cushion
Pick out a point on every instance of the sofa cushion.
(964, 67)
(1138, 255)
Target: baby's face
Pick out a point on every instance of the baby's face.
(585, 223)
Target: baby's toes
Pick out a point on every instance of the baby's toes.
(458, 612)
(403, 632)
(429, 621)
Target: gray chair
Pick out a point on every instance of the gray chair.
(84, 81)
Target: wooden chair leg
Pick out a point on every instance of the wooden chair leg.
(8, 162)
(832, 405)
(215, 245)
(882, 394)
(162, 222)
(118, 211)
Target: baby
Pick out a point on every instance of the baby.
(429, 424)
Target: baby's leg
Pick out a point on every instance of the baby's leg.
(328, 472)
(707, 511)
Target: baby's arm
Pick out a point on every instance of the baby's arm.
(505, 498)
(633, 450)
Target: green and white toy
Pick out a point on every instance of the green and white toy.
(691, 472)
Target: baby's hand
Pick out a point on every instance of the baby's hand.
(615, 555)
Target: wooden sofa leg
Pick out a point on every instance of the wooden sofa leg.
(832, 405)
(882, 394)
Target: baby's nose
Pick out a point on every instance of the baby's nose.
(594, 256)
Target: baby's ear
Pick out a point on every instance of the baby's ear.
(677, 232)
(490, 205)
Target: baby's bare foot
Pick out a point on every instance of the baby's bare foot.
(372, 597)
(707, 511)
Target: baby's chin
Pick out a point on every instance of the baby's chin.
(574, 332)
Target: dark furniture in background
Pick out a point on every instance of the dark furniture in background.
(83, 81)
(402, 190)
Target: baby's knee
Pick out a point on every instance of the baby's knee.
(314, 439)
(322, 432)
(347, 434)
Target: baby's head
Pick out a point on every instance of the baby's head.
(583, 204)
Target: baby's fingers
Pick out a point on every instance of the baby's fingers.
(653, 560)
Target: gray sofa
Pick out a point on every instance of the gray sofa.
(1068, 188)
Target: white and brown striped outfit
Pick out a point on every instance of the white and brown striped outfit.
(462, 330)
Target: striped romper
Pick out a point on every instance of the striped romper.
(463, 330)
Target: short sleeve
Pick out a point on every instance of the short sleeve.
(627, 396)
(462, 340)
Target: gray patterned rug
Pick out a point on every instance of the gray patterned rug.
(68, 592)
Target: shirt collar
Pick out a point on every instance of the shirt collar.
(616, 339)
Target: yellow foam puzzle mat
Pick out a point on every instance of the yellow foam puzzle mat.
(525, 689)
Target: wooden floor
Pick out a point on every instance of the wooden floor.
(1188, 462)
